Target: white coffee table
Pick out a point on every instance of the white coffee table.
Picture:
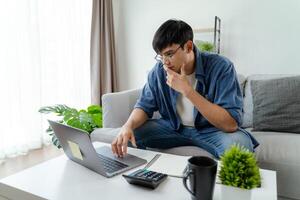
(61, 178)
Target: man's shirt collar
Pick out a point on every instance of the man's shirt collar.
(198, 63)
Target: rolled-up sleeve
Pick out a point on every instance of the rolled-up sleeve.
(228, 93)
(147, 101)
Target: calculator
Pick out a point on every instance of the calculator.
(145, 178)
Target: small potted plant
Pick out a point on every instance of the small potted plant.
(205, 46)
(86, 120)
(239, 168)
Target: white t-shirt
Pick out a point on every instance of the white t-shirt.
(184, 107)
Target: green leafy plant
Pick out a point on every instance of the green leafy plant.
(86, 120)
(239, 168)
(205, 46)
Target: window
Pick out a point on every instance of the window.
(44, 60)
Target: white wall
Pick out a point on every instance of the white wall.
(259, 36)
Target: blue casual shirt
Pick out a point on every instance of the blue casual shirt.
(216, 81)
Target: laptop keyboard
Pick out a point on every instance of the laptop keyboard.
(111, 165)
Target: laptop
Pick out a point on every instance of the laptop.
(78, 147)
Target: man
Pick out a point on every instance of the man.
(197, 95)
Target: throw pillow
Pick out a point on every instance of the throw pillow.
(276, 104)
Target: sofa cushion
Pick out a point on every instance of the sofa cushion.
(280, 152)
(117, 107)
(242, 82)
(106, 135)
(276, 104)
(277, 147)
(248, 103)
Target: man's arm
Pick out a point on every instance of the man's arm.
(135, 120)
(143, 109)
(215, 114)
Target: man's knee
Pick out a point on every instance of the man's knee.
(237, 138)
(156, 134)
(141, 133)
(145, 129)
(152, 128)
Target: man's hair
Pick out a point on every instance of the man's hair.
(171, 32)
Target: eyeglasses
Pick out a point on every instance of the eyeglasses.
(166, 56)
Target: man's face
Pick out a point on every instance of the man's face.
(173, 57)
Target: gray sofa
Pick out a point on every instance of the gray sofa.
(279, 151)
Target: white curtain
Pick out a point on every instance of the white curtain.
(44, 60)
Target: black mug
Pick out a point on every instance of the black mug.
(201, 173)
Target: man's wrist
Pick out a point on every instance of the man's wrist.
(188, 91)
(127, 126)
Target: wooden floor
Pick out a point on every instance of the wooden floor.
(16, 164)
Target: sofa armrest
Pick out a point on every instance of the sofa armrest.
(118, 106)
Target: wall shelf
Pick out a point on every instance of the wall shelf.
(216, 30)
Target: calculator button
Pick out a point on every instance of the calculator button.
(151, 174)
(136, 173)
(141, 174)
(157, 175)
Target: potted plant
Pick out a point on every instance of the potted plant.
(239, 168)
(86, 120)
(205, 46)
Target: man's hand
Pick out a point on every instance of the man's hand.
(178, 82)
(119, 145)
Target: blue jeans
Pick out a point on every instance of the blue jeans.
(155, 134)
